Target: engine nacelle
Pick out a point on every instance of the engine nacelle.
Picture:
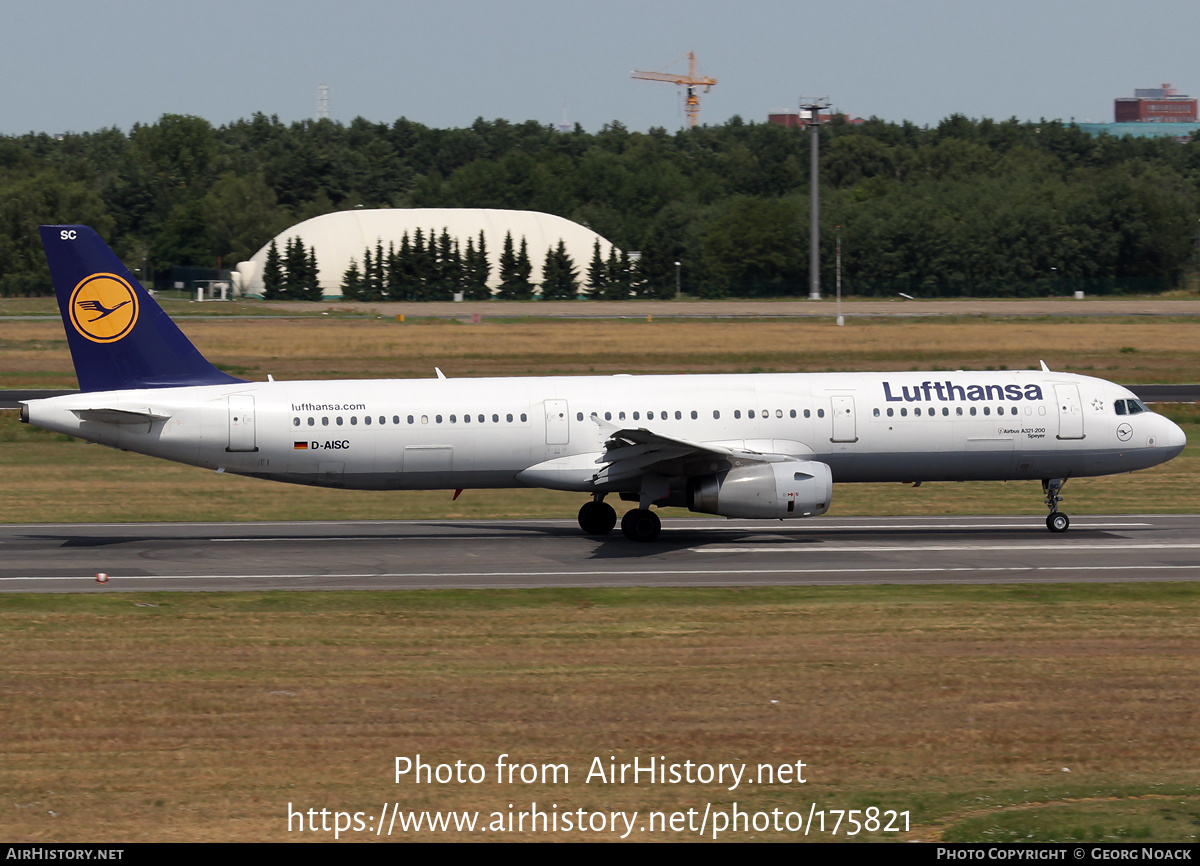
(791, 488)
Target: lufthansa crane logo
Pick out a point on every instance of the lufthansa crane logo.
(104, 308)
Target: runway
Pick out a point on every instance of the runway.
(389, 555)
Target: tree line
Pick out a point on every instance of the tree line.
(966, 207)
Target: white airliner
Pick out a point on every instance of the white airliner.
(764, 446)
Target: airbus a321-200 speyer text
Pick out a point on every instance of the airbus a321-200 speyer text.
(766, 446)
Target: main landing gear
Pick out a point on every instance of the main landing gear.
(1056, 521)
(597, 517)
(641, 524)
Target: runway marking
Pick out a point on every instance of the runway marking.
(116, 578)
(942, 548)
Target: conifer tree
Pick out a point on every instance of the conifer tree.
(597, 274)
(508, 270)
(481, 271)
(352, 283)
(295, 269)
(524, 285)
(559, 279)
(618, 277)
(311, 290)
(273, 288)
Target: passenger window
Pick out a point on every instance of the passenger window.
(495, 419)
(737, 413)
(509, 417)
(750, 414)
(807, 413)
(383, 419)
(891, 411)
(353, 420)
(820, 413)
(453, 419)
(958, 410)
(410, 419)
(792, 414)
(678, 415)
(466, 419)
(481, 419)
(339, 420)
(324, 420)
(917, 411)
(608, 416)
(311, 421)
(1012, 411)
(524, 417)
(296, 422)
(778, 413)
(716, 413)
(636, 416)
(437, 418)
(972, 410)
(424, 419)
(903, 412)
(945, 411)
(877, 412)
(694, 415)
(987, 410)
(649, 416)
(621, 416)
(396, 419)
(578, 416)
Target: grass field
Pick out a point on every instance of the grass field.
(988, 713)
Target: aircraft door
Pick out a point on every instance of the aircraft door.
(843, 419)
(241, 423)
(558, 428)
(1070, 412)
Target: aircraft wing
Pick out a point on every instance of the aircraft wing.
(629, 454)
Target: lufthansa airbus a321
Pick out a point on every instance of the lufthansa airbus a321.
(768, 446)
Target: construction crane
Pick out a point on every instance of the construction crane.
(691, 80)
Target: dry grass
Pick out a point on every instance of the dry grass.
(200, 717)
(34, 354)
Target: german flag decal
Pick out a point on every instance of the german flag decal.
(299, 446)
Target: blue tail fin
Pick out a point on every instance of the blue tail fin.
(119, 336)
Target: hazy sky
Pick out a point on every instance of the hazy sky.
(80, 65)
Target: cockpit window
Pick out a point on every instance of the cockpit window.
(1130, 407)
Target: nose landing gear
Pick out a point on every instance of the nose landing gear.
(1056, 521)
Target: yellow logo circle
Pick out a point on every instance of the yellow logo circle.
(104, 308)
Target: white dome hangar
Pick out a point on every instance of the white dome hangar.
(344, 235)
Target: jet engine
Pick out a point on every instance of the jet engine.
(790, 488)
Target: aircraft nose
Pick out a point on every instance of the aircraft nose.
(1176, 438)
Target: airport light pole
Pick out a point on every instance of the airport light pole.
(813, 106)
(841, 321)
(678, 281)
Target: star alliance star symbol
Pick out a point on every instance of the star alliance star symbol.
(1098, 405)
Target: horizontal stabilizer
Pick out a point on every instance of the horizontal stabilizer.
(118, 416)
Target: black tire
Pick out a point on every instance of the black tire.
(641, 524)
(1057, 522)
(597, 518)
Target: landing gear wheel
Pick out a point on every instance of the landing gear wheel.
(597, 518)
(641, 524)
(1057, 522)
